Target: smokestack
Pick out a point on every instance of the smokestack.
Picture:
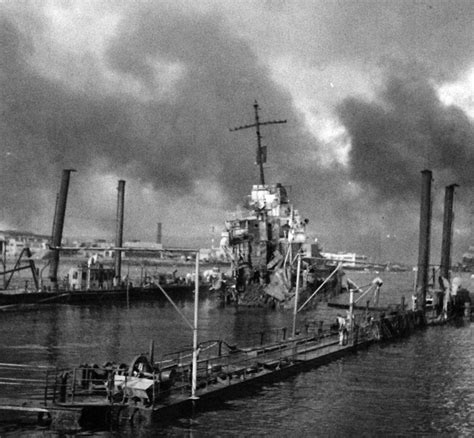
(58, 226)
(424, 243)
(158, 233)
(445, 265)
(119, 230)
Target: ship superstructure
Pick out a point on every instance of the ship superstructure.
(264, 239)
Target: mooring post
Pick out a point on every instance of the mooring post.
(58, 226)
(424, 242)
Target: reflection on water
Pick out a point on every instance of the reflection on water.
(421, 386)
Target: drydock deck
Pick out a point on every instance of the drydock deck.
(82, 397)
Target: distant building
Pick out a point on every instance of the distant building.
(100, 247)
(348, 259)
(14, 242)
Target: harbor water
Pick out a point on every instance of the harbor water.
(418, 386)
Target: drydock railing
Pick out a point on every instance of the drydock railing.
(44, 386)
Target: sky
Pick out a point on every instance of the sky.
(373, 93)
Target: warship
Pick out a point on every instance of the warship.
(267, 245)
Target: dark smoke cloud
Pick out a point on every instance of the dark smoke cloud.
(404, 131)
(435, 33)
(222, 78)
(169, 143)
(172, 135)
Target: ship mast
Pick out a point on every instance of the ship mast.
(261, 150)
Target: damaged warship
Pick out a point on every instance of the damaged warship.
(264, 242)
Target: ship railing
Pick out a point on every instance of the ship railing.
(257, 338)
(80, 384)
(248, 362)
(25, 384)
(71, 385)
(107, 385)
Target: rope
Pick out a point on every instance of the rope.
(320, 287)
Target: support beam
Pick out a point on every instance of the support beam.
(446, 245)
(424, 242)
(58, 226)
(119, 230)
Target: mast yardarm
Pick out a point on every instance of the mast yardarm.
(261, 150)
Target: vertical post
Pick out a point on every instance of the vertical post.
(152, 352)
(3, 244)
(259, 145)
(73, 390)
(424, 242)
(158, 233)
(58, 226)
(195, 332)
(445, 265)
(351, 309)
(377, 295)
(119, 231)
(295, 310)
(88, 275)
(128, 292)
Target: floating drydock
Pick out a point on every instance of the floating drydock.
(148, 390)
(21, 300)
(91, 281)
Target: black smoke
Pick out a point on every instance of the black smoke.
(404, 130)
(169, 142)
(407, 129)
(172, 135)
